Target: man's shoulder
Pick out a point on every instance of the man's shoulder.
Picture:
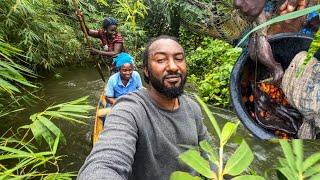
(191, 102)
(138, 96)
(133, 102)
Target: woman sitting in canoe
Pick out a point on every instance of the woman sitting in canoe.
(124, 81)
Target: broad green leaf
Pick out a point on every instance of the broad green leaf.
(193, 159)
(239, 160)
(287, 151)
(178, 175)
(248, 177)
(14, 151)
(40, 130)
(8, 87)
(76, 108)
(311, 171)
(298, 151)
(283, 162)
(311, 160)
(36, 129)
(291, 15)
(56, 143)
(213, 156)
(46, 134)
(209, 114)
(52, 127)
(288, 173)
(228, 130)
(315, 177)
(65, 116)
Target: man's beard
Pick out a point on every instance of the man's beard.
(169, 92)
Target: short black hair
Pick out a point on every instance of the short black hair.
(145, 54)
(108, 21)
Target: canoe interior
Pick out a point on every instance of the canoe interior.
(98, 123)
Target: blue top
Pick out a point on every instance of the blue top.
(115, 87)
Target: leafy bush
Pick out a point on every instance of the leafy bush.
(236, 164)
(20, 157)
(212, 63)
(41, 29)
(293, 166)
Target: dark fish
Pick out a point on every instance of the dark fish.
(279, 117)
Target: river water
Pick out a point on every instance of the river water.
(69, 83)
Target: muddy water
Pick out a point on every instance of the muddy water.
(69, 83)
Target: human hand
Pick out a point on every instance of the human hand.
(93, 51)
(79, 14)
(277, 73)
(292, 5)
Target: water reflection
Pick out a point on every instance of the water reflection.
(75, 82)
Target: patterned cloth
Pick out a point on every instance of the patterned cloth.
(109, 44)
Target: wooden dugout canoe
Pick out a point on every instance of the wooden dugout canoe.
(101, 112)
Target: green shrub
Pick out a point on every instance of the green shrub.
(212, 63)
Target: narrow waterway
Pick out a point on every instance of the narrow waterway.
(70, 83)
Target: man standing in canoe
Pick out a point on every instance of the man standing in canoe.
(145, 129)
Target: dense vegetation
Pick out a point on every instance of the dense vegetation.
(210, 67)
(38, 36)
(41, 35)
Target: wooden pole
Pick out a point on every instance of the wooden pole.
(84, 30)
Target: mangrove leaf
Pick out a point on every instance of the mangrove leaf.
(239, 161)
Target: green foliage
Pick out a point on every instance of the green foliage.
(12, 80)
(212, 62)
(10, 72)
(314, 47)
(158, 20)
(193, 159)
(130, 11)
(25, 158)
(41, 29)
(237, 163)
(42, 127)
(293, 166)
(178, 175)
(190, 40)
